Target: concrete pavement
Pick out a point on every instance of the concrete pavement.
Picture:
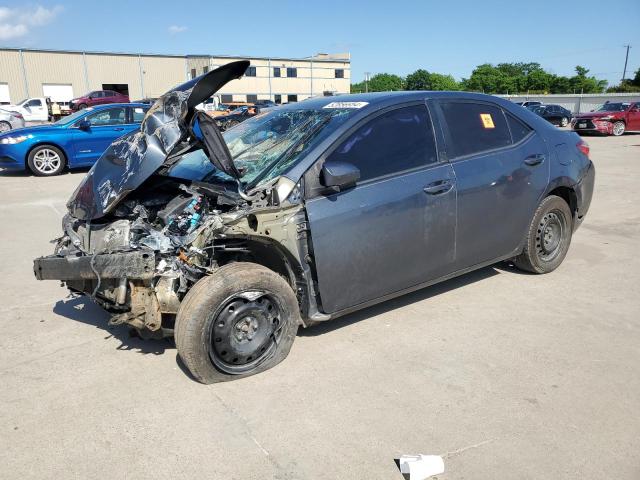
(507, 375)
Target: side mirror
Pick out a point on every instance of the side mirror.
(83, 124)
(339, 174)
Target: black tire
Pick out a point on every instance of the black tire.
(548, 238)
(216, 324)
(33, 161)
(82, 106)
(564, 121)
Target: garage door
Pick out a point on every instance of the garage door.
(57, 92)
(4, 94)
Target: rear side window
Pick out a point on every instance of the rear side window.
(475, 127)
(395, 141)
(518, 129)
(138, 114)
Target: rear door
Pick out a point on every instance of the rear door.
(396, 227)
(502, 169)
(105, 126)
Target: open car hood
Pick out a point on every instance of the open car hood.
(166, 129)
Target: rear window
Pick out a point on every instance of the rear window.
(475, 127)
(518, 129)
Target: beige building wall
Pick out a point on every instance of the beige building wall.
(152, 75)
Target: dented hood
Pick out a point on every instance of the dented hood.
(133, 158)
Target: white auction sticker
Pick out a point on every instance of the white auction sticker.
(346, 105)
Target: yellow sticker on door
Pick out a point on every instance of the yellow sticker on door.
(487, 121)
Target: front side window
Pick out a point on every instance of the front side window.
(474, 127)
(395, 141)
(292, 72)
(112, 116)
(34, 103)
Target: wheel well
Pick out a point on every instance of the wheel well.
(568, 195)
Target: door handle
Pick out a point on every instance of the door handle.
(118, 129)
(535, 159)
(439, 187)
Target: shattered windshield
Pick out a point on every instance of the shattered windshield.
(614, 107)
(264, 146)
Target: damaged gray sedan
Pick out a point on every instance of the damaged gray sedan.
(309, 212)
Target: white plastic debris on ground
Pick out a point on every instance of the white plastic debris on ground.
(420, 467)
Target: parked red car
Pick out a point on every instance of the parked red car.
(609, 119)
(98, 97)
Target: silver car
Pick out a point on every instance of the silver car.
(10, 120)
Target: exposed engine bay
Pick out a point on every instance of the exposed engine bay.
(139, 261)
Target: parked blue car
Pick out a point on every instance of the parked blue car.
(74, 141)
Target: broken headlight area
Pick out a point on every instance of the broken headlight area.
(139, 262)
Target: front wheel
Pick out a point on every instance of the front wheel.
(548, 238)
(618, 129)
(239, 321)
(46, 160)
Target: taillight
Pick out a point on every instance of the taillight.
(583, 147)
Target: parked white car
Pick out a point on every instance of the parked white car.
(10, 120)
(32, 109)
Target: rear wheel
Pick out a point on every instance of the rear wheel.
(5, 127)
(46, 160)
(618, 128)
(548, 238)
(239, 321)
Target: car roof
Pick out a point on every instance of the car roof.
(110, 105)
(379, 99)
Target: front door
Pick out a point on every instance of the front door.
(634, 118)
(35, 110)
(502, 169)
(105, 126)
(396, 227)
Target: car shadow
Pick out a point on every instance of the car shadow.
(82, 309)
(27, 173)
(402, 301)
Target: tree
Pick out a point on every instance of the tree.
(418, 80)
(423, 80)
(580, 83)
(384, 82)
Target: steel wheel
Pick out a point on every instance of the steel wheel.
(245, 331)
(618, 128)
(47, 161)
(5, 127)
(550, 237)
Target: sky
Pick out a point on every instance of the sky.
(450, 37)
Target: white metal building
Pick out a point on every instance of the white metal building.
(63, 75)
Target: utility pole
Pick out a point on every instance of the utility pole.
(366, 82)
(626, 59)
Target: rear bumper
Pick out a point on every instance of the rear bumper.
(132, 265)
(584, 194)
